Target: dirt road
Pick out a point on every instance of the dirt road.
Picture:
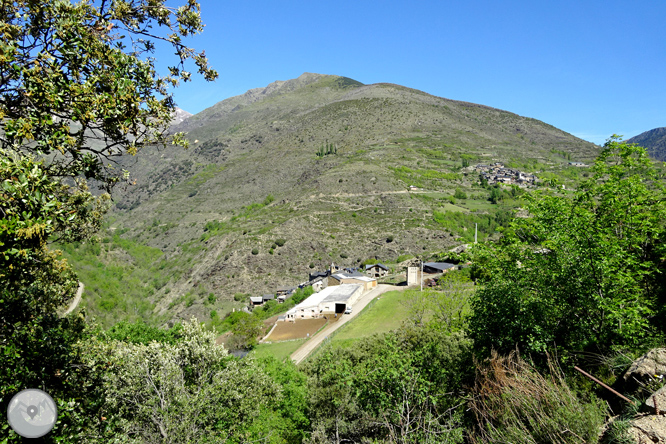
(314, 342)
(76, 300)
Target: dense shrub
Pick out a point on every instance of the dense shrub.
(399, 387)
(140, 333)
(585, 271)
(459, 194)
(240, 297)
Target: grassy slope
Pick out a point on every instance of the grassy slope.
(380, 316)
(280, 350)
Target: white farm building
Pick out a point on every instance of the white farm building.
(333, 299)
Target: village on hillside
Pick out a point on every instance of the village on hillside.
(498, 173)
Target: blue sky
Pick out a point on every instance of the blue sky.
(590, 68)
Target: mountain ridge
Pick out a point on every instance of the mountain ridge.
(325, 163)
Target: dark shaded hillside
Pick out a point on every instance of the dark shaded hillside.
(255, 173)
(655, 142)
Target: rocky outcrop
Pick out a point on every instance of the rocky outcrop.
(179, 116)
(646, 373)
(647, 429)
(646, 368)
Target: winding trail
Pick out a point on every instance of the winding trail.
(76, 300)
(304, 350)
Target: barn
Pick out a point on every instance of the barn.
(331, 300)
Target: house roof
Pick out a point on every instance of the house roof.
(268, 297)
(256, 299)
(286, 288)
(382, 266)
(336, 293)
(441, 266)
(357, 276)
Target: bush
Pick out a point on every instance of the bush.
(280, 242)
(389, 239)
(240, 297)
(404, 257)
(141, 333)
(269, 199)
(255, 251)
(301, 294)
(460, 194)
(513, 403)
(400, 384)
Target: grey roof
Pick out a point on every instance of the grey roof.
(268, 297)
(356, 275)
(439, 265)
(341, 293)
(352, 272)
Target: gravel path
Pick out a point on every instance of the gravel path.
(299, 355)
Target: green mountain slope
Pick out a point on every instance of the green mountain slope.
(655, 142)
(255, 174)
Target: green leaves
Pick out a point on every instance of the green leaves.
(186, 390)
(583, 272)
(63, 63)
(73, 98)
(403, 385)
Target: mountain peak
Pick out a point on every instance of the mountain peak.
(179, 115)
(654, 141)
